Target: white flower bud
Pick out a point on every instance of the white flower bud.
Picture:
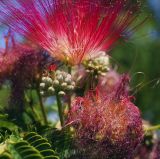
(96, 76)
(99, 72)
(64, 74)
(49, 81)
(90, 65)
(44, 79)
(42, 85)
(61, 93)
(69, 76)
(59, 77)
(58, 72)
(102, 74)
(42, 93)
(55, 82)
(51, 90)
(70, 87)
(97, 67)
(68, 80)
(64, 84)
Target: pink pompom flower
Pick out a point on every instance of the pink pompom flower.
(71, 31)
(109, 125)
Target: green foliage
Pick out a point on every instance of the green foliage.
(6, 127)
(61, 140)
(31, 146)
(4, 94)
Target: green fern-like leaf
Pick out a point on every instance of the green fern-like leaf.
(60, 140)
(22, 150)
(6, 156)
(32, 146)
(41, 144)
(6, 127)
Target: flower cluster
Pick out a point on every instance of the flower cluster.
(97, 66)
(59, 83)
(109, 125)
(71, 31)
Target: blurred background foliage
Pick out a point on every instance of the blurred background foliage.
(140, 56)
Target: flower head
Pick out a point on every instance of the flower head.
(17, 59)
(107, 125)
(71, 31)
(8, 57)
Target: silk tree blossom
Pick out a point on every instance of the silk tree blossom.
(18, 57)
(9, 56)
(106, 124)
(71, 31)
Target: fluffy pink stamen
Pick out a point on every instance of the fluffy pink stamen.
(71, 31)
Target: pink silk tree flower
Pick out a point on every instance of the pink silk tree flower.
(12, 55)
(71, 31)
(107, 125)
(8, 57)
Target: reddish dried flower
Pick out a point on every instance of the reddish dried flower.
(71, 31)
(107, 125)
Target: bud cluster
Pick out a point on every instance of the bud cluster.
(59, 83)
(97, 66)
